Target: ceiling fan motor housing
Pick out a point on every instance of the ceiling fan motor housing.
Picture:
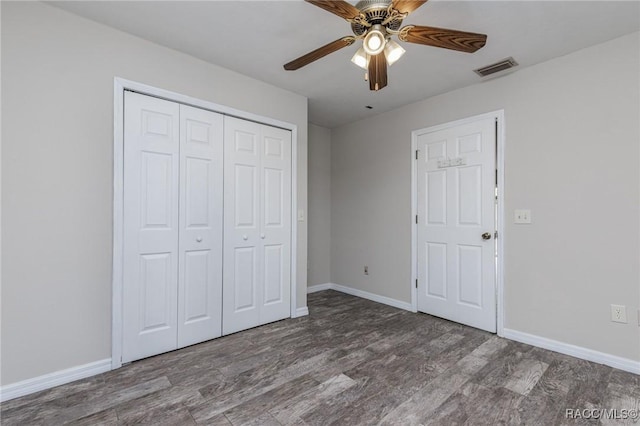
(375, 12)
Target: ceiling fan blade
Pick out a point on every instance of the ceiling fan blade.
(407, 6)
(319, 53)
(339, 7)
(442, 37)
(377, 72)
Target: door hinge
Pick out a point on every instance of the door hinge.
(416, 218)
(417, 154)
(416, 283)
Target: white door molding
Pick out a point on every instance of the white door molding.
(119, 87)
(500, 161)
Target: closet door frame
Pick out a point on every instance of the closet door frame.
(120, 86)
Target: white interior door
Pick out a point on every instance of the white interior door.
(456, 223)
(150, 271)
(200, 239)
(257, 230)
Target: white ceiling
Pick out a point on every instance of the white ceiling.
(256, 38)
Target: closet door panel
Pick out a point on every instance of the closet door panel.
(245, 265)
(273, 282)
(242, 244)
(200, 240)
(275, 223)
(150, 272)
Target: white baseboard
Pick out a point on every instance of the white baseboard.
(301, 312)
(319, 287)
(57, 378)
(363, 294)
(574, 351)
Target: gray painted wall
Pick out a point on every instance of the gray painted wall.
(319, 205)
(57, 174)
(572, 157)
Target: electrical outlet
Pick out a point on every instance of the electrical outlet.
(619, 313)
(366, 270)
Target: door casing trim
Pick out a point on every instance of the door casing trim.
(500, 161)
(120, 85)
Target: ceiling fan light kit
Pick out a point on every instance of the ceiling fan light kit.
(393, 51)
(375, 40)
(375, 21)
(361, 59)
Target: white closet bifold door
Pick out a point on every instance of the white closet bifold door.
(257, 224)
(200, 246)
(207, 225)
(172, 283)
(275, 224)
(150, 273)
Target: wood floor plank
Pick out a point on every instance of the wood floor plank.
(110, 400)
(345, 363)
(256, 407)
(336, 409)
(500, 367)
(161, 415)
(589, 387)
(63, 410)
(153, 408)
(475, 404)
(526, 376)
(104, 418)
(64, 392)
(221, 399)
(219, 420)
(623, 400)
(291, 411)
(421, 404)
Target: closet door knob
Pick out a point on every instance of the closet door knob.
(199, 239)
(262, 236)
(244, 237)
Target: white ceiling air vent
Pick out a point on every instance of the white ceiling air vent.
(502, 65)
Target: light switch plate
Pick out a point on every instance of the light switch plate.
(522, 216)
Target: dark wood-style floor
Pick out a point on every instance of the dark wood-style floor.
(350, 362)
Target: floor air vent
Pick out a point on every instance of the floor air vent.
(502, 65)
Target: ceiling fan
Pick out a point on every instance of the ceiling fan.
(375, 21)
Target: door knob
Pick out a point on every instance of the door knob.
(486, 236)
(262, 236)
(199, 239)
(244, 237)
